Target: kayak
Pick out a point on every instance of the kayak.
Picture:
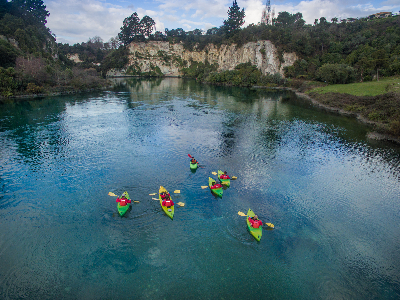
(256, 232)
(226, 182)
(218, 192)
(169, 211)
(123, 209)
(193, 166)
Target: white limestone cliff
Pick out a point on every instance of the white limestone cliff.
(169, 59)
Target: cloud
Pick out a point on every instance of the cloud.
(76, 21)
(329, 9)
(253, 10)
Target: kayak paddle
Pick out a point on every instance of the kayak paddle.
(176, 192)
(197, 162)
(113, 195)
(179, 203)
(233, 177)
(244, 215)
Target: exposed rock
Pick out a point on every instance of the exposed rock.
(171, 58)
(74, 57)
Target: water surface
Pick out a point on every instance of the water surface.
(332, 194)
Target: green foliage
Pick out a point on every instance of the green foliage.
(244, 74)
(32, 88)
(8, 54)
(134, 29)
(199, 70)
(235, 18)
(336, 73)
(8, 83)
(115, 59)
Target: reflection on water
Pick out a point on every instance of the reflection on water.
(332, 194)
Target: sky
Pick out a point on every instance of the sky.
(75, 21)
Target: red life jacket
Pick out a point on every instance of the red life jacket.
(167, 203)
(216, 186)
(255, 223)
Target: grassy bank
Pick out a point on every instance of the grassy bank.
(377, 102)
(371, 88)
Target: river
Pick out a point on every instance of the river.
(332, 194)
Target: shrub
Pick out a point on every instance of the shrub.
(336, 73)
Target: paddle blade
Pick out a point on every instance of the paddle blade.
(190, 156)
(242, 214)
(214, 173)
(270, 225)
(135, 201)
(155, 199)
(177, 191)
(152, 194)
(234, 177)
(112, 194)
(204, 186)
(180, 203)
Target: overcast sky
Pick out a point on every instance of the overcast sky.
(75, 21)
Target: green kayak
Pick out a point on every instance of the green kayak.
(168, 210)
(123, 209)
(256, 232)
(226, 182)
(193, 166)
(219, 191)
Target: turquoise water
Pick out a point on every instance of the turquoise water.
(332, 195)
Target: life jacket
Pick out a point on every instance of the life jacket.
(163, 196)
(255, 223)
(167, 203)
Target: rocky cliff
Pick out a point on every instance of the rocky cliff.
(169, 59)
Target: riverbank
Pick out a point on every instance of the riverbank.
(376, 104)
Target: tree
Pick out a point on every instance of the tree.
(95, 43)
(130, 29)
(285, 19)
(211, 31)
(235, 18)
(31, 10)
(379, 61)
(147, 25)
(114, 43)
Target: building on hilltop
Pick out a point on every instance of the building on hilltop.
(267, 16)
(380, 15)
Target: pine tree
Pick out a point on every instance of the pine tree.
(235, 18)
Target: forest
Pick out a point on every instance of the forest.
(356, 50)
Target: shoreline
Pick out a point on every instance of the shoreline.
(373, 135)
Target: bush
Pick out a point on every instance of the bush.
(33, 88)
(336, 74)
(8, 84)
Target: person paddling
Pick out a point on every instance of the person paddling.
(224, 176)
(168, 202)
(216, 186)
(255, 222)
(193, 161)
(165, 195)
(123, 200)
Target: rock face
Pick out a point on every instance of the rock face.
(74, 57)
(169, 59)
